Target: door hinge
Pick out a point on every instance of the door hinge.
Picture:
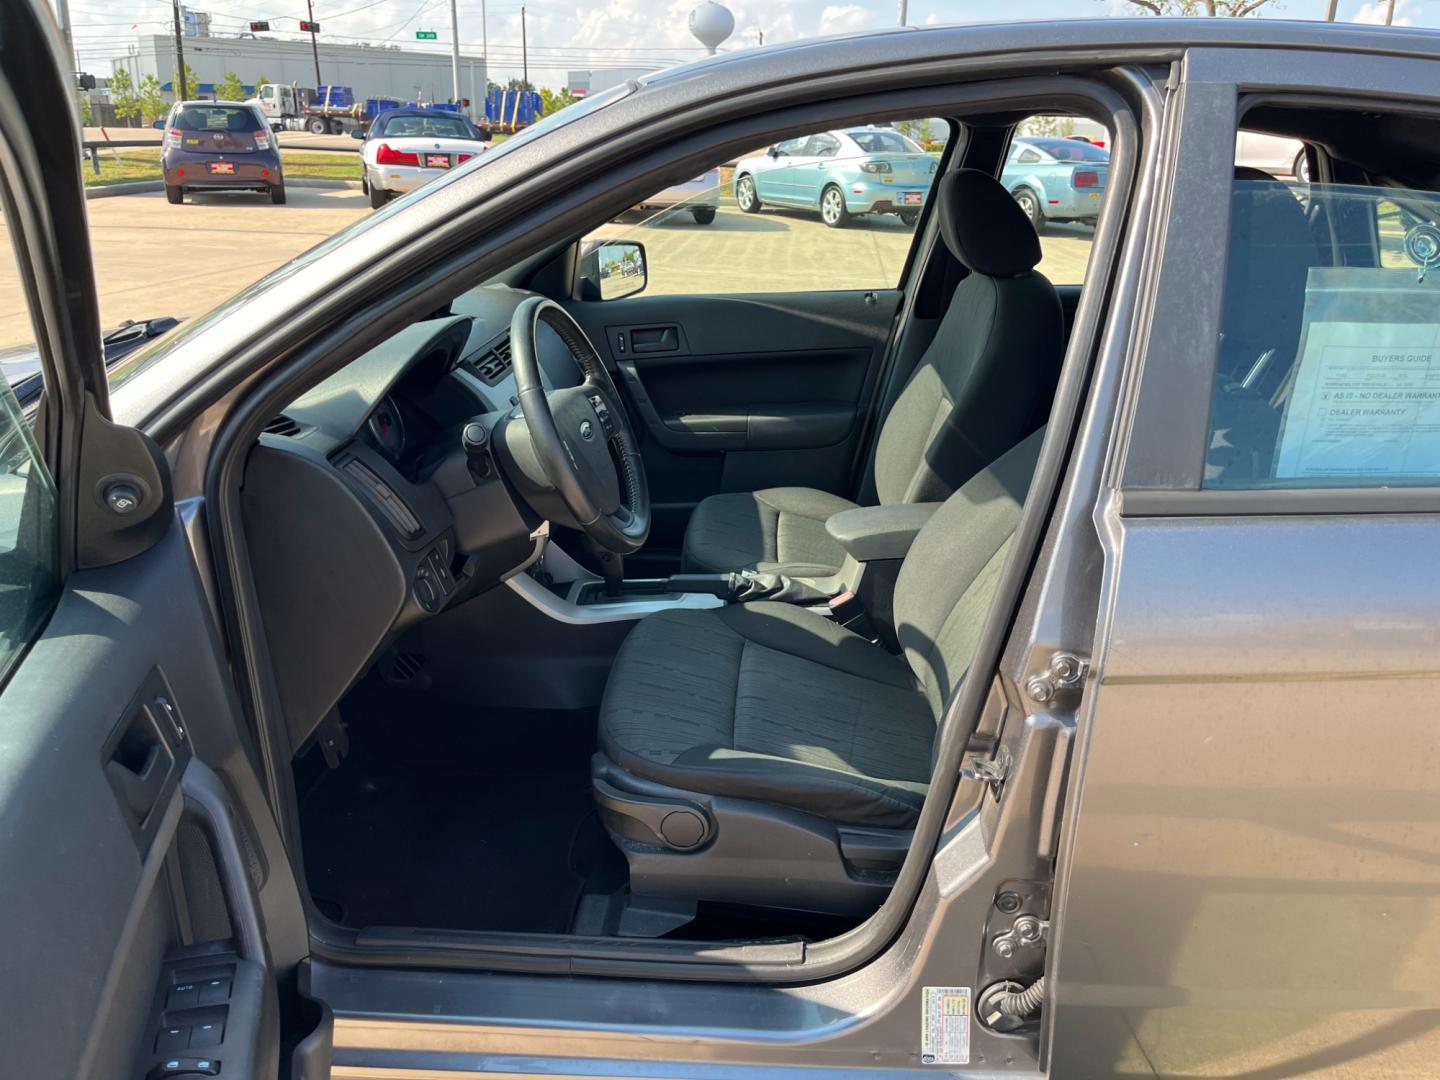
(1066, 671)
(991, 771)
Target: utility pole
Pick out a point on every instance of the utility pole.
(760, 36)
(1330, 11)
(904, 12)
(181, 90)
(314, 48)
(455, 51)
(62, 10)
(524, 53)
(1390, 13)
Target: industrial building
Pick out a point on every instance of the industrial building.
(372, 70)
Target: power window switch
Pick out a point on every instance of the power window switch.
(183, 996)
(172, 1039)
(206, 1035)
(214, 992)
(174, 1067)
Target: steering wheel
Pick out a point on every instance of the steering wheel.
(581, 436)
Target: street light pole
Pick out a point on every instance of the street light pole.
(1390, 13)
(524, 53)
(62, 10)
(181, 90)
(455, 51)
(314, 48)
(1330, 11)
(904, 12)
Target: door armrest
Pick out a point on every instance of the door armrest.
(875, 533)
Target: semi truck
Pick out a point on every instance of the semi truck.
(325, 110)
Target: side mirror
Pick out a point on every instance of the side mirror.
(357, 133)
(611, 269)
(773, 151)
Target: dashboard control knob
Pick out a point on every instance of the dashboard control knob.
(122, 498)
(474, 438)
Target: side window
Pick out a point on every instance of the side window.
(28, 505)
(1058, 170)
(1328, 370)
(827, 211)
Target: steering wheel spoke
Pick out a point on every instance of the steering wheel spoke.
(580, 436)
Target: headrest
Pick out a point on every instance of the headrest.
(984, 227)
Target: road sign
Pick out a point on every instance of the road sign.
(426, 35)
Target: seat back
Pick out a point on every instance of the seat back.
(988, 377)
(952, 570)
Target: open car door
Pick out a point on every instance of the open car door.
(136, 902)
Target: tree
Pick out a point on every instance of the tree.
(192, 84)
(519, 84)
(85, 115)
(230, 88)
(261, 81)
(555, 100)
(1060, 126)
(150, 99)
(1232, 9)
(122, 96)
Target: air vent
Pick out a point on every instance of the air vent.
(493, 364)
(282, 425)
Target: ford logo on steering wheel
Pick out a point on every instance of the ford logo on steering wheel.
(587, 430)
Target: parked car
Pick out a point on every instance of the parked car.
(700, 196)
(220, 146)
(841, 174)
(328, 747)
(407, 148)
(1054, 178)
(1272, 154)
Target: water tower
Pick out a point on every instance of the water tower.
(711, 23)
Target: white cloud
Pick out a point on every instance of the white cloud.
(846, 19)
(1375, 11)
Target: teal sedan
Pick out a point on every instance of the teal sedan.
(841, 174)
(1055, 178)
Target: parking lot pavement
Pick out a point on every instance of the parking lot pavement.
(792, 251)
(152, 258)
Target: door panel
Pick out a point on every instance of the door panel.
(742, 392)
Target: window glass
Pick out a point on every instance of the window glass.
(439, 127)
(786, 218)
(28, 511)
(1058, 170)
(1328, 367)
(217, 118)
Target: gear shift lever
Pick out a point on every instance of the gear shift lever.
(612, 568)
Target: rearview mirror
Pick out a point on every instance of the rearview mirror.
(610, 269)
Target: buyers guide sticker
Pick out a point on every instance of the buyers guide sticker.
(945, 1025)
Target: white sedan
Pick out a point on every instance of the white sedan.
(407, 148)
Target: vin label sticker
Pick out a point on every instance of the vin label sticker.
(945, 1025)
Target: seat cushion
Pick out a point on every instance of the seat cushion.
(770, 702)
(777, 530)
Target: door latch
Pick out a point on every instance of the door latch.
(990, 771)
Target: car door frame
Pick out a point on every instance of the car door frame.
(1121, 983)
(121, 702)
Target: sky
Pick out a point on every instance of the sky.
(574, 34)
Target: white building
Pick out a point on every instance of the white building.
(372, 71)
(581, 83)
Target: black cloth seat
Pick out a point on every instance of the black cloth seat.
(778, 704)
(983, 384)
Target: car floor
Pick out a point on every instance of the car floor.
(449, 816)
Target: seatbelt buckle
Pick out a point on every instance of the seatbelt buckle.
(845, 607)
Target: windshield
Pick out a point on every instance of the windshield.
(883, 142)
(216, 118)
(440, 127)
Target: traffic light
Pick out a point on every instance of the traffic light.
(259, 27)
(309, 27)
(87, 81)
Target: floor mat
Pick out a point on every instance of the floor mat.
(448, 816)
(448, 849)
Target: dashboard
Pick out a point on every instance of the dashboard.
(364, 513)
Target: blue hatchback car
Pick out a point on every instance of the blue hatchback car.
(865, 170)
(1055, 178)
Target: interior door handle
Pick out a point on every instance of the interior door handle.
(655, 339)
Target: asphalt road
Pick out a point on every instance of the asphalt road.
(152, 258)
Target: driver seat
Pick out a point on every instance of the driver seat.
(762, 754)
